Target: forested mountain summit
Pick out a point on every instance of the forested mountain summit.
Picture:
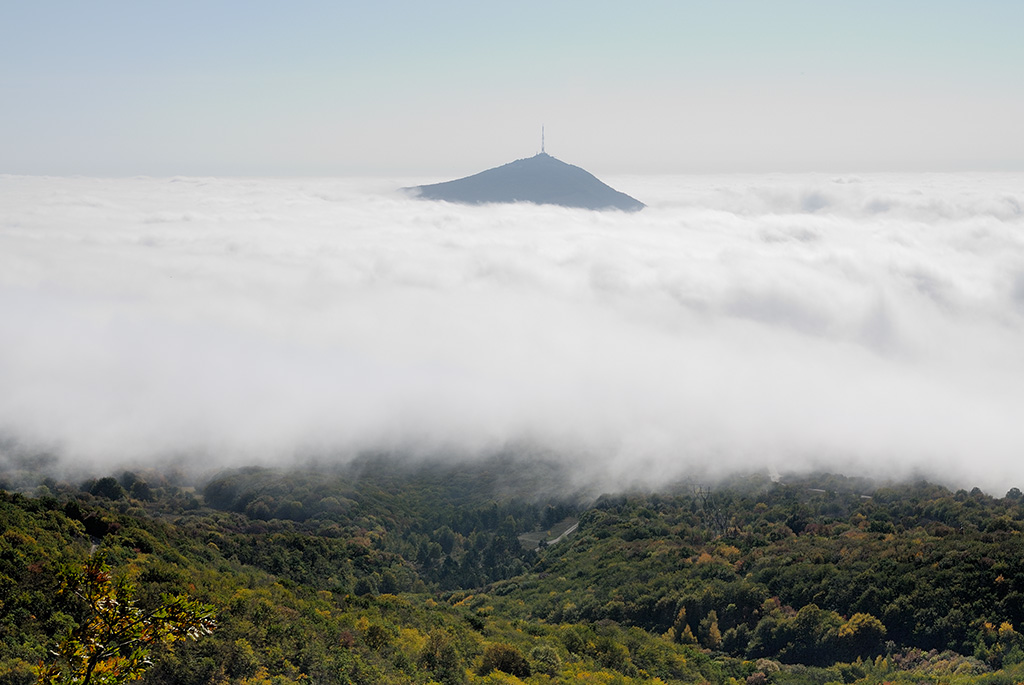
(541, 179)
(383, 572)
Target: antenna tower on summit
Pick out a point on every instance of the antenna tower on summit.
(542, 140)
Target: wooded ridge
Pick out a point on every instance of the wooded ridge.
(380, 573)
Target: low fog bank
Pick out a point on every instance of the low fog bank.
(863, 325)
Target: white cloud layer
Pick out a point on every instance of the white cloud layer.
(871, 324)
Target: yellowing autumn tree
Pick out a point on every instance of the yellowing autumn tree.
(113, 643)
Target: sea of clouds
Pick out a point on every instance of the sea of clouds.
(862, 324)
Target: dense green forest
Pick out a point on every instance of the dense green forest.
(386, 571)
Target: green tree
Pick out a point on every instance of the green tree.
(861, 636)
(441, 658)
(710, 633)
(506, 658)
(545, 660)
(108, 487)
(113, 642)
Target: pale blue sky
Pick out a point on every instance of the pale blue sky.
(271, 88)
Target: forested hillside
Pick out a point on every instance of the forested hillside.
(387, 572)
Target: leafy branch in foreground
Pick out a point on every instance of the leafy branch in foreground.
(113, 643)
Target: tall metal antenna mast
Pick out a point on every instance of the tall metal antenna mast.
(542, 140)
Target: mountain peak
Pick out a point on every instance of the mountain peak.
(541, 179)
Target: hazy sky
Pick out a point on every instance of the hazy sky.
(449, 88)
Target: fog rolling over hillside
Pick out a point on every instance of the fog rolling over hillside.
(869, 324)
